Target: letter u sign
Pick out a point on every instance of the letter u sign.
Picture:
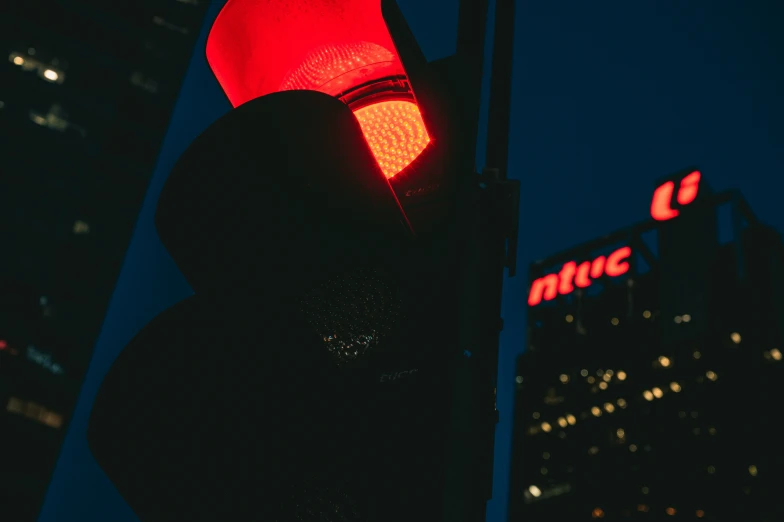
(661, 206)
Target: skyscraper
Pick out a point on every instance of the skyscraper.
(648, 389)
(86, 93)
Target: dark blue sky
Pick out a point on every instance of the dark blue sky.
(607, 97)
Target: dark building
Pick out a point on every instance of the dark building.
(86, 91)
(650, 386)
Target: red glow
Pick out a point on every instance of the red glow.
(3, 344)
(690, 185)
(257, 47)
(661, 209)
(581, 279)
(616, 262)
(548, 287)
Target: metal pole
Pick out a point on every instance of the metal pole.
(497, 155)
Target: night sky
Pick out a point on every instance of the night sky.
(607, 97)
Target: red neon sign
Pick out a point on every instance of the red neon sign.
(661, 209)
(573, 275)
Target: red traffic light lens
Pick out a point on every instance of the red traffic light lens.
(395, 132)
(344, 49)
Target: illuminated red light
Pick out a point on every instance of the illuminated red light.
(3, 344)
(548, 287)
(339, 48)
(661, 209)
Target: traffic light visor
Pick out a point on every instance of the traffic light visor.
(341, 48)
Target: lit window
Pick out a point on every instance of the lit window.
(711, 375)
(535, 491)
(622, 376)
(753, 470)
(735, 336)
(664, 361)
(614, 321)
(596, 411)
(657, 392)
(646, 314)
(674, 386)
(569, 318)
(80, 227)
(603, 385)
(648, 395)
(564, 378)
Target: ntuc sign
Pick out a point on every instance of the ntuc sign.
(574, 276)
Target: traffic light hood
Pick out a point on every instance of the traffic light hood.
(254, 45)
(277, 193)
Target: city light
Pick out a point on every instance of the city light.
(664, 361)
(564, 378)
(546, 427)
(753, 470)
(608, 406)
(775, 354)
(534, 491)
(562, 422)
(569, 318)
(648, 395)
(621, 376)
(571, 419)
(596, 411)
(614, 321)
(735, 336)
(51, 75)
(674, 386)
(711, 375)
(657, 392)
(646, 314)
(686, 318)
(602, 385)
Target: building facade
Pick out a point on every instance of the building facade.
(649, 387)
(86, 93)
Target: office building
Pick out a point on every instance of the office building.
(650, 385)
(86, 92)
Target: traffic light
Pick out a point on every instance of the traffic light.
(332, 364)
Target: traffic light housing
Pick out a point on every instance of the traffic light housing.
(333, 361)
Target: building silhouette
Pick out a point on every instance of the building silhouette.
(86, 92)
(651, 393)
